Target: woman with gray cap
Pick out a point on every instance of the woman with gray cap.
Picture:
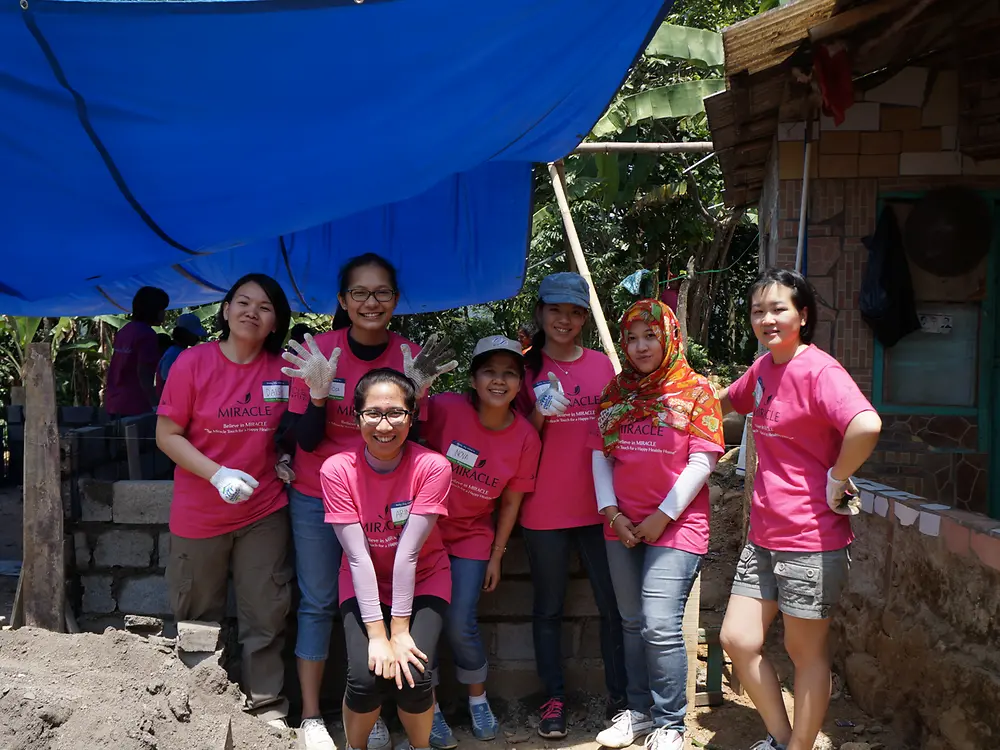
(494, 457)
(561, 394)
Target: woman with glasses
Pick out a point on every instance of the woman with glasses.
(383, 498)
(325, 372)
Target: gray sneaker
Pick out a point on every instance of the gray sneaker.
(379, 738)
(769, 744)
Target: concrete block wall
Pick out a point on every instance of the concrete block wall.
(901, 136)
(120, 545)
(917, 628)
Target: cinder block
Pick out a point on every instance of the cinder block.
(790, 156)
(515, 559)
(163, 550)
(95, 500)
(143, 501)
(512, 598)
(901, 118)
(840, 142)
(949, 137)
(942, 104)
(124, 549)
(882, 143)
(861, 116)
(515, 642)
(838, 166)
(906, 88)
(878, 165)
(198, 637)
(81, 547)
(580, 599)
(796, 131)
(144, 595)
(927, 139)
(97, 597)
(934, 163)
(143, 625)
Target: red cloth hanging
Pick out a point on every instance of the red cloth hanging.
(832, 71)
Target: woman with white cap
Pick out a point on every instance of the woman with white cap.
(561, 394)
(494, 456)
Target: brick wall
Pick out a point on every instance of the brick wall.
(899, 136)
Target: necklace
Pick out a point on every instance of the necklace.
(559, 366)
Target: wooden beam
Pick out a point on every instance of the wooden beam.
(558, 177)
(850, 19)
(43, 570)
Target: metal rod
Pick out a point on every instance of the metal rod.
(558, 176)
(690, 147)
(804, 205)
(698, 163)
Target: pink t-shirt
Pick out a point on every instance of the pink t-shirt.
(648, 460)
(800, 412)
(564, 495)
(353, 492)
(341, 426)
(230, 413)
(483, 463)
(135, 347)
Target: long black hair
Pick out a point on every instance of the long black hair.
(386, 376)
(282, 311)
(340, 318)
(533, 359)
(803, 295)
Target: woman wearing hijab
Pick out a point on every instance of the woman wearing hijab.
(660, 429)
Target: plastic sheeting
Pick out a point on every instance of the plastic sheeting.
(172, 142)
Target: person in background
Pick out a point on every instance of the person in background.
(524, 339)
(286, 431)
(188, 331)
(130, 388)
(561, 394)
(812, 428)
(383, 498)
(216, 421)
(660, 435)
(672, 290)
(494, 457)
(324, 372)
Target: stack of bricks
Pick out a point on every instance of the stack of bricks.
(121, 543)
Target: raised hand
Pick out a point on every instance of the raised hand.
(553, 401)
(434, 360)
(315, 370)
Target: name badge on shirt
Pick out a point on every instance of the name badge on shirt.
(463, 454)
(337, 388)
(275, 390)
(758, 392)
(400, 512)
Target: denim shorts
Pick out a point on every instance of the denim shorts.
(805, 584)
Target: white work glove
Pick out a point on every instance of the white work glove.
(842, 496)
(434, 360)
(234, 486)
(284, 469)
(552, 402)
(316, 371)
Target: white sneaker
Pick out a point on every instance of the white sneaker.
(665, 739)
(626, 728)
(378, 738)
(313, 735)
(769, 744)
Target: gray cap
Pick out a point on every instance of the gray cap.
(497, 343)
(565, 287)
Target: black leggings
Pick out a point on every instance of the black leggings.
(365, 692)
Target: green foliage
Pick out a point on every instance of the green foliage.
(695, 46)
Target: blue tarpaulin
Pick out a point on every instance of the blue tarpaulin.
(182, 144)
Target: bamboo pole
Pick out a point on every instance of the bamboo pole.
(610, 147)
(558, 176)
(43, 595)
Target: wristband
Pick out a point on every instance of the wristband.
(499, 549)
(611, 523)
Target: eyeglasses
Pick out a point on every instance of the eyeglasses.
(360, 294)
(374, 417)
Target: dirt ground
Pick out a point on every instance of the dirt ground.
(123, 692)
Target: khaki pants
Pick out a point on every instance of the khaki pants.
(258, 555)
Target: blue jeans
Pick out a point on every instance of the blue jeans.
(317, 566)
(461, 623)
(548, 558)
(652, 585)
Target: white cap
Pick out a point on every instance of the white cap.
(497, 344)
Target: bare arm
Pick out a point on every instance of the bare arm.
(510, 506)
(860, 440)
(170, 439)
(724, 401)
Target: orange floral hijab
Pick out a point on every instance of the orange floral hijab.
(674, 395)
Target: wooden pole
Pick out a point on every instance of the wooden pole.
(691, 147)
(558, 176)
(43, 570)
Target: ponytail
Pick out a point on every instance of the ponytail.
(340, 319)
(533, 359)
